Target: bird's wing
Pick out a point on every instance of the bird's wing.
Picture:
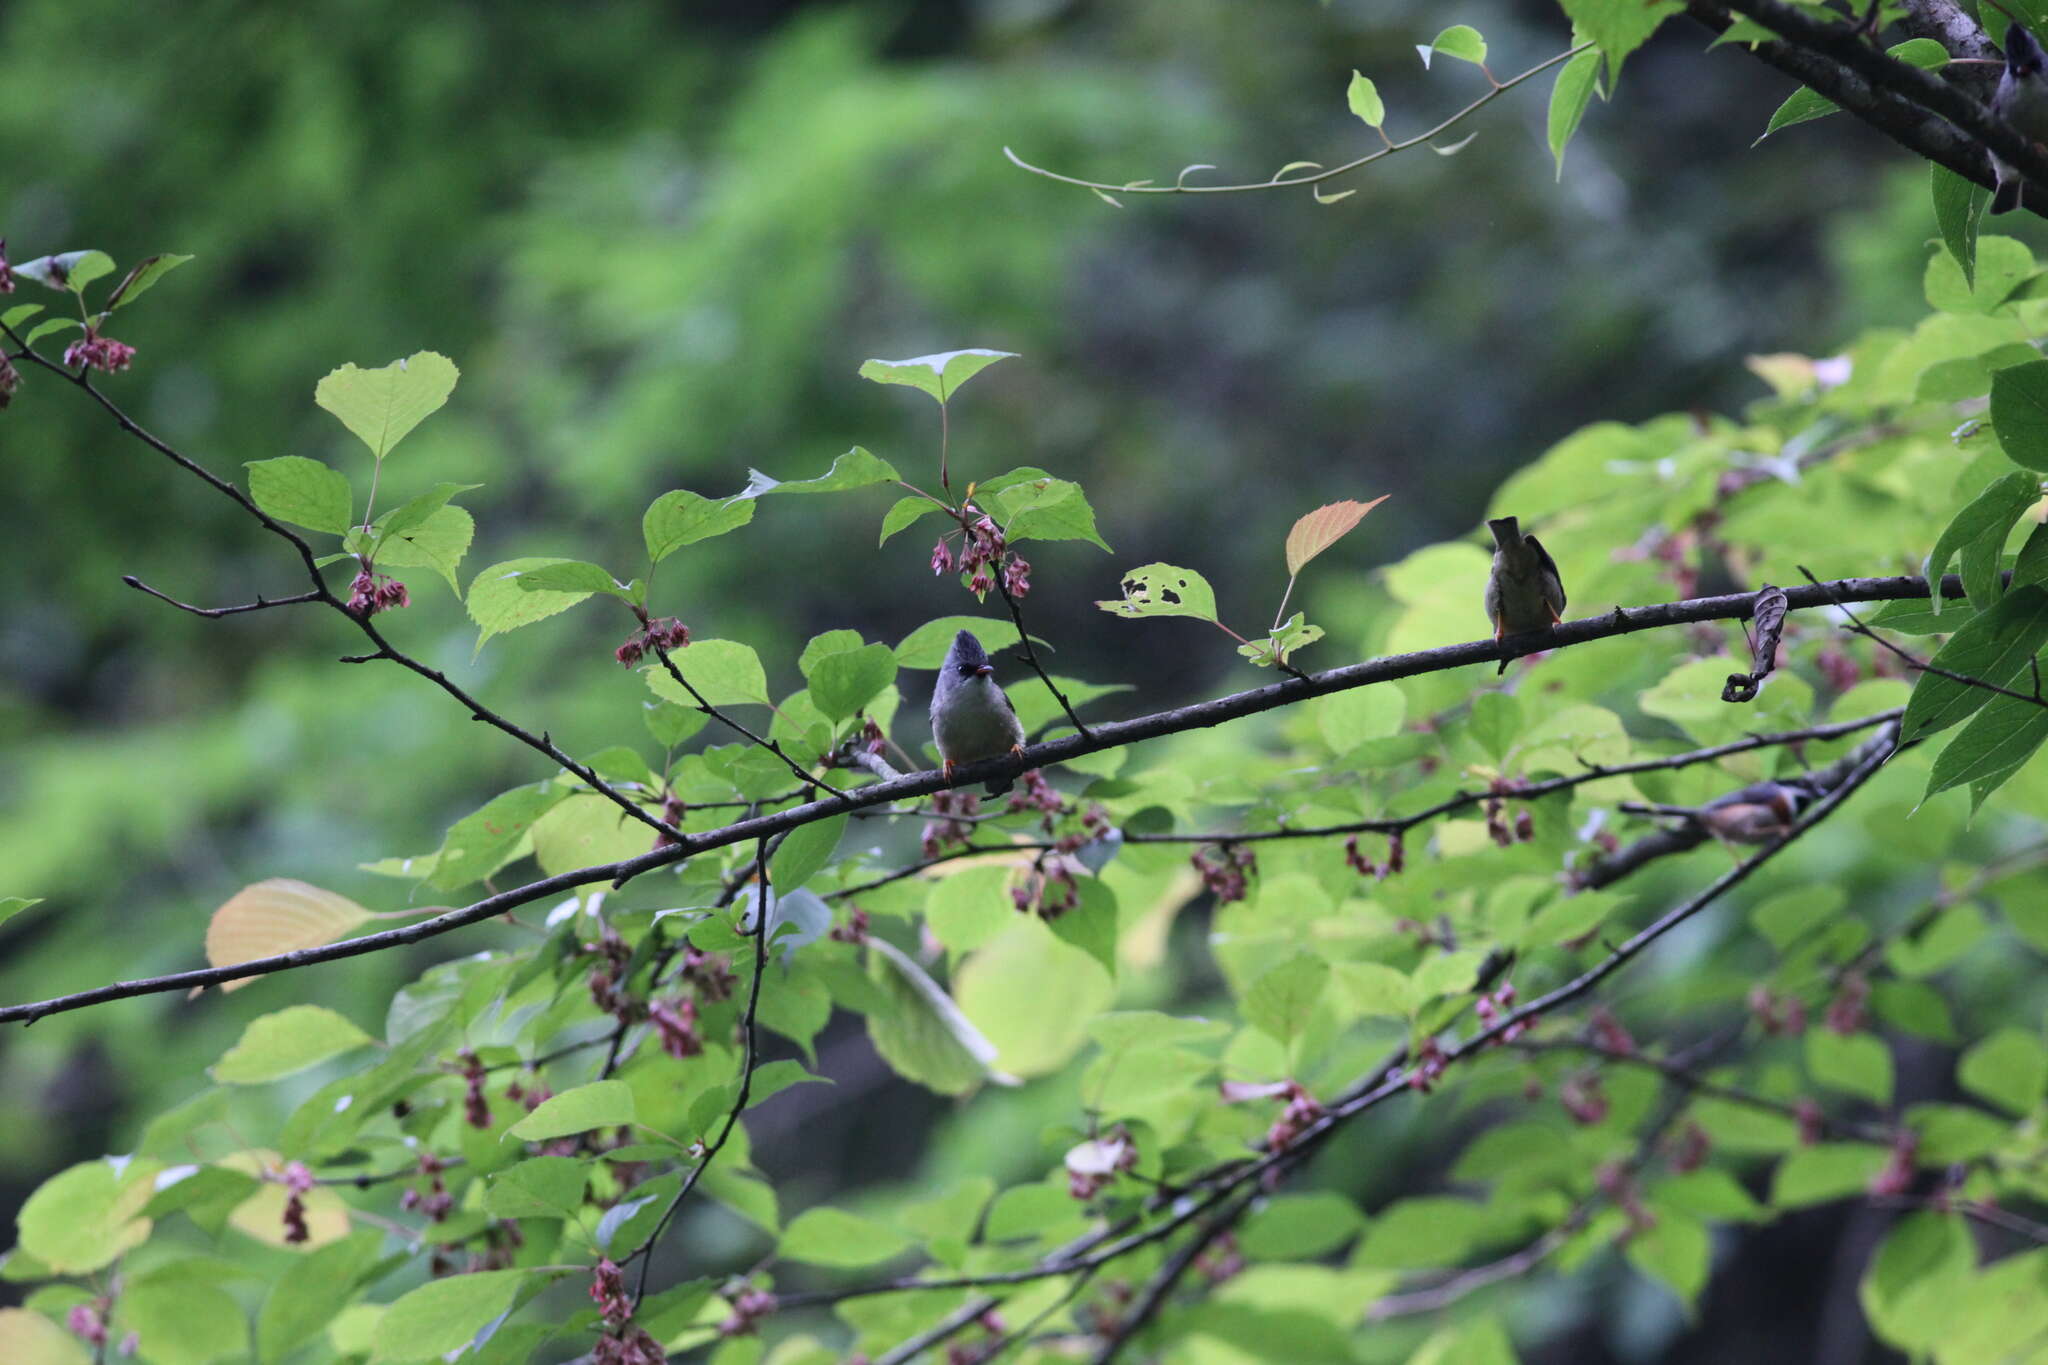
(1553, 585)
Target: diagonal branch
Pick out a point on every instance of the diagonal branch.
(708, 709)
(1031, 656)
(261, 603)
(1112, 735)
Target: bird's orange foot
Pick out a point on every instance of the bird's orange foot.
(947, 768)
(1016, 751)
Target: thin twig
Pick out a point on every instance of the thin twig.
(739, 1104)
(261, 603)
(1031, 655)
(1155, 1293)
(773, 747)
(1388, 149)
(1914, 661)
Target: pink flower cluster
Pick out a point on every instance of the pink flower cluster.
(1491, 1009)
(1777, 1014)
(370, 593)
(298, 1182)
(676, 1021)
(1523, 828)
(621, 1343)
(855, 930)
(947, 829)
(1397, 858)
(95, 352)
(661, 633)
(749, 1306)
(983, 553)
(476, 1109)
(1226, 870)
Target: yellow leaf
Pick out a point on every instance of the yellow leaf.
(277, 916)
(31, 1339)
(1324, 527)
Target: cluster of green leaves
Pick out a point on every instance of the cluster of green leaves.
(183, 1241)
(73, 272)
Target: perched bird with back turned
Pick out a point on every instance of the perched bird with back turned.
(1523, 593)
(1760, 813)
(2022, 101)
(972, 718)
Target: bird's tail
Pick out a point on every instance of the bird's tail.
(1000, 787)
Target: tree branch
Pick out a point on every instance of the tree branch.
(260, 604)
(1111, 735)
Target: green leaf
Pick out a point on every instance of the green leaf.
(1993, 647)
(1374, 989)
(601, 1104)
(2019, 413)
(312, 1289)
(1674, 1250)
(1988, 518)
(1419, 1234)
(545, 1187)
(2009, 1069)
(1915, 1279)
(903, 513)
(382, 406)
(1495, 722)
(142, 278)
(67, 270)
(726, 672)
(1459, 40)
(438, 543)
(1351, 718)
(681, 518)
(1163, 590)
(303, 492)
(1363, 98)
(803, 852)
(1825, 1172)
(826, 1236)
(14, 317)
(1619, 27)
(187, 1320)
(1300, 1227)
(855, 469)
(923, 1036)
(1920, 618)
(10, 906)
(443, 1316)
(1047, 509)
(1280, 1002)
(497, 603)
(939, 375)
(925, 648)
(970, 907)
(287, 1042)
(50, 328)
(85, 1217)
(843, 682)
(1576, 81)
(571, 576)
(1570, 917)
(416, 512)
(1857, 1063)
(1996, 743)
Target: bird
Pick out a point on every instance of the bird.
(972, 718)
(1760, 813)
(1523, 593)
(2021, 100)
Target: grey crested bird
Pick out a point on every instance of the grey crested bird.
(2021, 100)
(1523, 592)
(972, 718)
(1760, 813)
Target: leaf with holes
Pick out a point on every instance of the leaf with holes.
(1163, 590)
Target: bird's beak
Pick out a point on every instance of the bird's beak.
(983, 671)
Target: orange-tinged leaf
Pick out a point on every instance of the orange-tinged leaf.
(277, 916)
(1324, 527)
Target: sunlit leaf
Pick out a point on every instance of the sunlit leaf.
(381, 406)
(1163, 590)
(939, 375)
(276, 916)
